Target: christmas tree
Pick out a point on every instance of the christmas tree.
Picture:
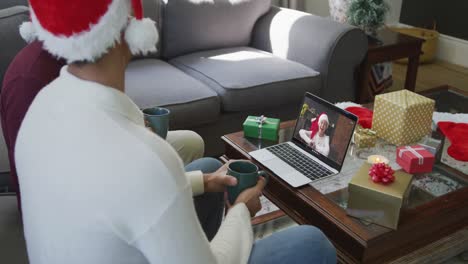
(368, 15)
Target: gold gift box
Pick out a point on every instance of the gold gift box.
(364, 138)
(402, 117)
(377, 203)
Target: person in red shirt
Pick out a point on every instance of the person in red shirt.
(31, 70)
(34, 68)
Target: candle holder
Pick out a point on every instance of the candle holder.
(373, 159)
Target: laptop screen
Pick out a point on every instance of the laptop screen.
(324, 130)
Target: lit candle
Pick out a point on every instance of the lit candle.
(372, 159)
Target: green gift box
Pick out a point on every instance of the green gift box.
(261, 127)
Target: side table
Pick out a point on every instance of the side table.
(393, 46)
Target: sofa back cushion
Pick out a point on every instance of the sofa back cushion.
(152, 9)
(11, 3)
(10, 20)
(196, 25)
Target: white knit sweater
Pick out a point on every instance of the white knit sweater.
(97, 187)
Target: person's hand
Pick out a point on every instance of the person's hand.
(219, 180)
(311, 144)
(251, 197)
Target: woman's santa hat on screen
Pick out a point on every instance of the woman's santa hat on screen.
(314, 127)
(84, 30)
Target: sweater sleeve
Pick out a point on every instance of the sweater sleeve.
(195, 178)
(233, 242)
(177, 237)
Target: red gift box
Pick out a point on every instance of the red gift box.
(415, 159)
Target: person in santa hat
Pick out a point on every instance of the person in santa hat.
(315, 137)
(97, 186)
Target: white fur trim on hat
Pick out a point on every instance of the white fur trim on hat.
(89, 45)
(27, 32)
(323, 117)
(141, 36)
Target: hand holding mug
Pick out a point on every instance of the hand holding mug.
(248, 176)
(157, 118)
(251, 197)
(219, 180)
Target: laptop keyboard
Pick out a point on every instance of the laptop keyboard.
(296, 159)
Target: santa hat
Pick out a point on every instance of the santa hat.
(314, 127)
(84, 30)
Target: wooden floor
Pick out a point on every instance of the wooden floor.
(432, 75)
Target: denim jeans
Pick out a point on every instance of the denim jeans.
(300, 244)
(295, 245)
(209, 206)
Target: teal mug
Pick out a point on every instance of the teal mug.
(158, 120)
(246, 174)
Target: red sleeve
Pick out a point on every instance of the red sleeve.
(16, 97)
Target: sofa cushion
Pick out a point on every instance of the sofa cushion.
(250, 79)
(11, 42)
(190, 25)
(11, 3)
(153, 82)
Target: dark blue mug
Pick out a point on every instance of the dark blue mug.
(158, 119)
(246, 174)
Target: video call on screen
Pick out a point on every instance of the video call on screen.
(333, 135)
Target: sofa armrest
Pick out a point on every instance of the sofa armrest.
(331, 48)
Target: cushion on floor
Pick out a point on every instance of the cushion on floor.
(249, 79)
(152, 82)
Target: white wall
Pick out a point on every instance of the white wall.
(450, 49)
(317, 7)
(320, 7)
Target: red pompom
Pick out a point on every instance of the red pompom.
(381, 173)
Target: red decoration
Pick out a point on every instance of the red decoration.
(457, 134)
(415, 159)
(364, 115)
(382, 173)
(66, 18)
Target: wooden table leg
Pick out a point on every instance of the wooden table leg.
(364, 93)
(412, 72)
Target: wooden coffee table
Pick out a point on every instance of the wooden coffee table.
(428, 224)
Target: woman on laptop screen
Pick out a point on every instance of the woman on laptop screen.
(315, 137)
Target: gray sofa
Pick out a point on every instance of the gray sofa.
(216, 64)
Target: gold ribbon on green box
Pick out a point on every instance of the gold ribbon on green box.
(364, 138)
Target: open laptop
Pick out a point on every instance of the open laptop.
(311, 154)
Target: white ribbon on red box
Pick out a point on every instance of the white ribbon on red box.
(415, 152)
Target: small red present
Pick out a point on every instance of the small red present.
(415, 159)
